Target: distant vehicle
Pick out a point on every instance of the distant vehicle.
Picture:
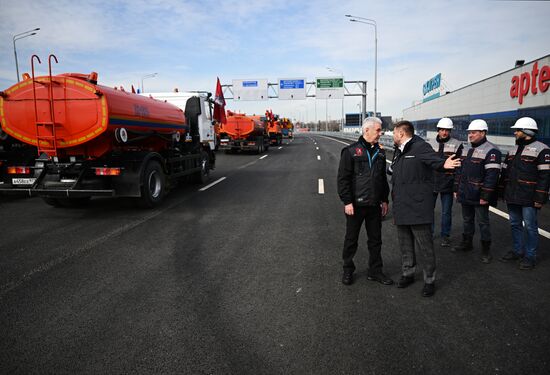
(274, 128)
(92, 140)
(244, 133)
(287, 128)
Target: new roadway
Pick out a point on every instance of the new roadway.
(242, 276)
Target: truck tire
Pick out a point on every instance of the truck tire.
(204, 174)
(54, 202)
(153, 185)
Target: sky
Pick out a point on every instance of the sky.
(190, 43)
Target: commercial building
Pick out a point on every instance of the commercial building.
(500, 100)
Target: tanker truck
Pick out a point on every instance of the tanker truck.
(92, 140)
(242, 132)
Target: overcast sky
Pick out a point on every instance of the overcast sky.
(190, 43)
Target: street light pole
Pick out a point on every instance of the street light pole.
(369, 21)
(145, 77)
(338, 71)
(17, 37)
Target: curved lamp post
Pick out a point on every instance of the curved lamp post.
(17, 37)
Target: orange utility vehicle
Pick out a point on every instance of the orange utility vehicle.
(274, 128)
(242, 132)
(92, 140)
(287, 128)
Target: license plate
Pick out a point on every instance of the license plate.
(23, 181)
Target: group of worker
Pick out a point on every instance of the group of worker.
(472, 173)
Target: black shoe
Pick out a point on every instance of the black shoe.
(464, 245)
(347, 278)
(445, 241)
(428, 290)
(510, 256)
(381, 278)
(405, 281)
(526, 264)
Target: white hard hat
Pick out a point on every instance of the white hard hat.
(445, 123)
(478, 125)
(525, 123)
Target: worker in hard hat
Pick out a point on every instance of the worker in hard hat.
(525, 180)
(475, 187)
(445, 146)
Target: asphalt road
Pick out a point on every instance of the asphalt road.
(244, 278)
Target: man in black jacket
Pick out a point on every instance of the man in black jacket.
(413, 201)
(363, 188)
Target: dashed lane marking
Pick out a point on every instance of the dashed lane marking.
(263, 157)
(280, 148)
(212, 184)
(321, 186)
(318, 157)
(317, 148)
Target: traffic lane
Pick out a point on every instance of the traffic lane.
(114, 287)
(37, 236)
(274, 308)
(482, 305)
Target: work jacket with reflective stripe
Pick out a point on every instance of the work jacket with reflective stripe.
(477, 178)
(444, 181)
(526, 174)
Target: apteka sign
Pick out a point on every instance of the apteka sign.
(536, 81)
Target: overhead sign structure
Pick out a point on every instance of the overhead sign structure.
(250, 89)
(292, 88)
(329, 88)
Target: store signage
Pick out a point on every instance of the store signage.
(432, 84)
(534, 81)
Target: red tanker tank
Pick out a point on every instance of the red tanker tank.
(70, 114)
(93, 140)
(242, 132)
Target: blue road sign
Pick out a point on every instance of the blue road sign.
(250, 83)
(291, 84)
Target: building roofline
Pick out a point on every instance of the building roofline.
(485, 79)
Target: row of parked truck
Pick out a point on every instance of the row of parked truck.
(67, 138)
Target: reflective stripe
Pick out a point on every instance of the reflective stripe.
(504, 165)
(543, 167)
(492, 166)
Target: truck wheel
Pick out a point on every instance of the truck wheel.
(54, 202)
(153, 184)
(74, 202)
(204, 174)
(260, 145)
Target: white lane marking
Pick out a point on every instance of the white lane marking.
(321, 186)
(317, 148)
(500, 213)
(212, 184)
(280, 148)
(263, 157)
(335, 140)
(247, 164)
(318, 157)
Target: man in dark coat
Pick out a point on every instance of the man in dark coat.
(363, 188)
(413, 201)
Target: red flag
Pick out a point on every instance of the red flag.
(133, 90)
(219, 104)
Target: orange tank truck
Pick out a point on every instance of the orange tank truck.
(242, 132)
(92, 140)
(287, 128)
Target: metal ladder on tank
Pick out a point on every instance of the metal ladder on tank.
(46, 140)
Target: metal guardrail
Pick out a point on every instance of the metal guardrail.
(387, 140)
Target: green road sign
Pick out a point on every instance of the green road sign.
(330, 83)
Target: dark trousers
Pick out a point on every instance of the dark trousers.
(372, 216)
(470, 213)
(419, 236)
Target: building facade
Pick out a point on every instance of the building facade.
(499, 100)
